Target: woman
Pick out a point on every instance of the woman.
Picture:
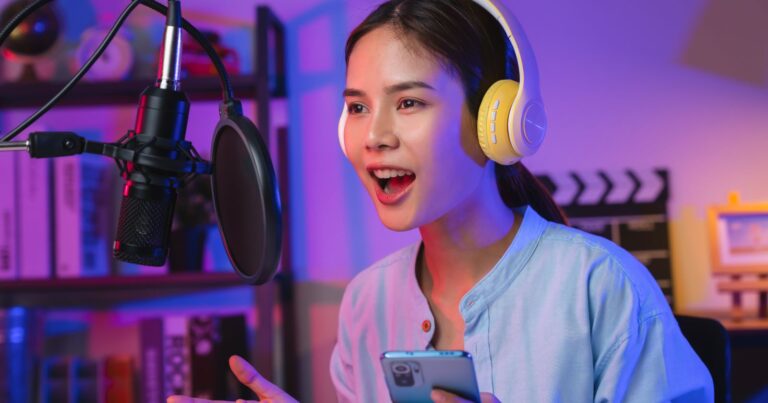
(548, 313)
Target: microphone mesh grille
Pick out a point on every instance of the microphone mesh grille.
(143, 224)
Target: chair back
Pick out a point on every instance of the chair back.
(710, 340)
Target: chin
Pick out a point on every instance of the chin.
(395, 221)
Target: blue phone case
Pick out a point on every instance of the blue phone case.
(411, 375)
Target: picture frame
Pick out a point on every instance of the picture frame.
(739, 238)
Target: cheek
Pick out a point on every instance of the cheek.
(352, 141)
(354, 151)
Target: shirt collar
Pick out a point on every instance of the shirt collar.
(491, 285)
(499, 278)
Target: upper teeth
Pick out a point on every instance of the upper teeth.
(390, 173)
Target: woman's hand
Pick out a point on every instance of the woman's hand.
(245, 373)
(441, 396)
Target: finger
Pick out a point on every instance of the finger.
(251, 378)
(486, 397)
(441, 396)
(187, 399)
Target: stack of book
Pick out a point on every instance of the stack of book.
(185, 355)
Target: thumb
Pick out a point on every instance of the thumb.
(441, 396)
(251, 378)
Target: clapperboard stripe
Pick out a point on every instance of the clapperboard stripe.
(595, 188)
(568, 187)
(625, 191)
(622, 187)
(651, 186)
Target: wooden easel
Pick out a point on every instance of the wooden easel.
(755, 270)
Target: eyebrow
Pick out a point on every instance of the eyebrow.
(407, 85)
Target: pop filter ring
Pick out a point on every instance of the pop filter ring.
(270, 228)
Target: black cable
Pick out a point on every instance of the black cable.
(76, 78)
(15, 21)
(227, 92)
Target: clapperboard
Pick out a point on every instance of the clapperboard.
(628, 207)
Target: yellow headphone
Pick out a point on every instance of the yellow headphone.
(511, 122)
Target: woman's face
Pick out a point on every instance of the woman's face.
(409, 134)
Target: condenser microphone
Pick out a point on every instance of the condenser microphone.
(155, 160)
(149, 194)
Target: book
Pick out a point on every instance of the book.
(8, 221)
(83, 244)
(56, 379)
(5, 369)
(23, 329)
(86, 386)
(152, 355)
(176, 368)
(35, 222)
(205, 356)
(117, 379)
(234, 341)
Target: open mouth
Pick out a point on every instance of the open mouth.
(393, 181)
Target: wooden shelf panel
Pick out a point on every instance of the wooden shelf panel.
(90, 93)
(109, 290)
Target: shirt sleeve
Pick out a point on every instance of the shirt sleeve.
(342, 376)
(342, 370)
(655, 364)
(640, 354)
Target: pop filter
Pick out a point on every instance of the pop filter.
(246, 198)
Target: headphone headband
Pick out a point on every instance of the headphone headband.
(528, 119)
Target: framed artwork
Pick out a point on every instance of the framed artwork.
(739, 238)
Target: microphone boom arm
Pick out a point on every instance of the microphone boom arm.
(61, 144)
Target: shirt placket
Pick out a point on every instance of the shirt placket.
(476, 337)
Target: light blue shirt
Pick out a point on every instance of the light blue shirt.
(563, 316)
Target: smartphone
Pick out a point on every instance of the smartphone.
(411, 375)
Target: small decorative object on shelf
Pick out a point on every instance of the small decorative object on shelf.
(738, 235)
(115, 63)
(196, 62)
(27, 49)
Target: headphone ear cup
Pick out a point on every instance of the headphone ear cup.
(493, 122)
(342, 125)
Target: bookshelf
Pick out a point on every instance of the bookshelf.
(266, 83)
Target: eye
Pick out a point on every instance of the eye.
(409, 103)
(355, 108)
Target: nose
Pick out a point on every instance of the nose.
(381, 135)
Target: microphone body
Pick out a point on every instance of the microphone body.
(149, 195)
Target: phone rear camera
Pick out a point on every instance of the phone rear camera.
(402, 374)
(401, 368)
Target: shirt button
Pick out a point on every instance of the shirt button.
(426, 326)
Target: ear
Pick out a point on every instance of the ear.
(342, 125)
